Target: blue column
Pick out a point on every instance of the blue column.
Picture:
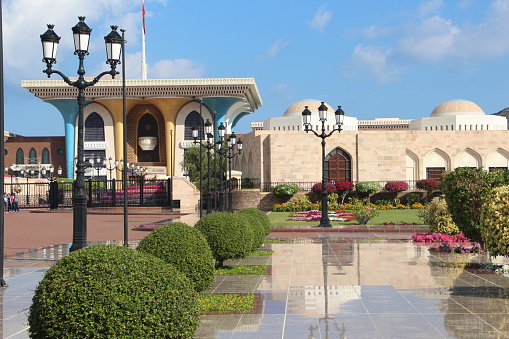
(69, 110)
(220, 105)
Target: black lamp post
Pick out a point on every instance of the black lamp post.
(222, 152)
(208, 145)
(50, 40)
(97, 165)
(232, 154)
(306, 119)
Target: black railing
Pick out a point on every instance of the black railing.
(101, 193)
(307, 186)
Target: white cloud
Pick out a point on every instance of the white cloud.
(432, 41)
(274, 49)
(321, 19)
(284, 92)
(431, 38)
(373, 32)
(375, 62)
(176, 69)
(25, 20)
(430, 7)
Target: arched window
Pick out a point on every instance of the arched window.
(338, 166)
(193, 119)
(32, 156)
(45, 156)
(94, 128)
(20, 156)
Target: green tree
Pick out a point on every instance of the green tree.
(191, 165)
(466, 190)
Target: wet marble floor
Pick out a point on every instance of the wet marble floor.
(330, 286)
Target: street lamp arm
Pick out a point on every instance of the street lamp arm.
(49, 71)
(111, 72)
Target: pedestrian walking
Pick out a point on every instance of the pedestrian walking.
(7, 203)
(14, 203)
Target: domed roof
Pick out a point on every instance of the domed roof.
(457, 107)
(297, 108)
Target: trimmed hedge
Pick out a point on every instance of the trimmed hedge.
(229, 237)
(109, 291)
(257, 230)
(184, 247)
(495, 222)
(261, 216)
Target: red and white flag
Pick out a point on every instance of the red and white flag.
(143, 16)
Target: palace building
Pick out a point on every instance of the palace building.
(456, 134)
(159, 115)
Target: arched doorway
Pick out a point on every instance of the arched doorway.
(338, 166)
(148, 127)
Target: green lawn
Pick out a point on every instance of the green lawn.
(396, 216)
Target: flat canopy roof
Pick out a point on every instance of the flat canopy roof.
(244, 88)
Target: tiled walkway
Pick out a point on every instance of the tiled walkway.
(331, 285)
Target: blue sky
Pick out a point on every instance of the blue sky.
(376, 58)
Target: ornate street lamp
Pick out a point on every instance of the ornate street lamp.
(222, 152)
(50, 40)
(232, 141)
(110, 165)
(306, 119)
(209, 145)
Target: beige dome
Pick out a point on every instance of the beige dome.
(297, 108)
(457, 107)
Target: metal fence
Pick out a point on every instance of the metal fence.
(307, 186)
(101, 193)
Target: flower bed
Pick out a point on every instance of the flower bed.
(439, 237)
(316, 215)
(455, 243)
(401, 223)
(304, 207)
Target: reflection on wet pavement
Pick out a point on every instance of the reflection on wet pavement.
(339, 287)
(333, 286)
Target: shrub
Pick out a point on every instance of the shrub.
(383, 202)
(257, 229)
(228, 236)
(495, 222)
(466, 190)
(344, 186)
(396, 186)
(262, 217)
(330, 187)
(364, 214)
(367, 187)
(427, 184)
(185, 248)
(285, 190)
(412, 198)
(332, 198)
(437, 216)
(109, 291)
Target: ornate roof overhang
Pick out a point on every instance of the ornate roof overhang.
(244, 88)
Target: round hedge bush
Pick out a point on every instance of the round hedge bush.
(184, 247)
(261, 216)
(109, 291)
(228, 236)
(286, 189)
(495, 222)
(257, 229)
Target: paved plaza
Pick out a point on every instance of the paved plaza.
(319, 285)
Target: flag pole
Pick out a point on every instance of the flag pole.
(143, 32)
